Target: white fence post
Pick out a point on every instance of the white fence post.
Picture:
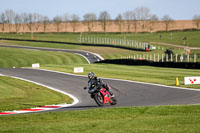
(195, 58)
(181, 58)
(171, 58)
(150, 57)
(167, 57)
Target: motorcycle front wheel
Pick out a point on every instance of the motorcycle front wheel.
(99, 99)
(114, 101)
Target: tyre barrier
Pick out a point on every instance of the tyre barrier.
(188, 65)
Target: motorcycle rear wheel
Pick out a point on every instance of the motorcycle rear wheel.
(99, 99)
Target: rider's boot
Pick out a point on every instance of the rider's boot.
(111, 94)
(110, 91)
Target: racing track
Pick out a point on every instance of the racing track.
(128, 93)
(89, 56)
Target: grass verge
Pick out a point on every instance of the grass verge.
(161, 119)
(13, 57)
(17, 94)
(158, 75)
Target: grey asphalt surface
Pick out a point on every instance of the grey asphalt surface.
(91, 57)
(127, 93)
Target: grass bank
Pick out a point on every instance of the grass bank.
(17, 94)
(13, 57)
(161, 119)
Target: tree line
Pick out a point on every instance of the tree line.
(140, 17)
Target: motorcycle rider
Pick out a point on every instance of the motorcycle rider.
(97, 82)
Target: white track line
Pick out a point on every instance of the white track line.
(130, 81)
(84, 58)
(57, 49)
(42, 108)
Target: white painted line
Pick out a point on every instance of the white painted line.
(57, 49)
(25, 110)
(96, 55)
(84, 57)
(73, 97)
(191, 89)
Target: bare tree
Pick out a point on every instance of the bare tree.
(30, 23)
(37, 20)
(128, 18)
(167, 21)
(24, 17)
(196, 20)
(74, 21)
(104, 18)
(134, 20)
(17, 22)
(89, 20)
(66, 19)
(45, 22)
(143, 16)
(57, 22)
(119, 21)
(153, 20)
(10, 15)
(3, 19)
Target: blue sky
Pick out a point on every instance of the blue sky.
(176, 9)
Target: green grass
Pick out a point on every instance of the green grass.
(17, 94)
(60, 37)
(193, 37)
(13, 57)
(158, 75)
(161, 119)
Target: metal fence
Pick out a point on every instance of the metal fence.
(115, 42)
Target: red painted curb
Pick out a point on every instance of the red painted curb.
(7, 113)
(31, 110)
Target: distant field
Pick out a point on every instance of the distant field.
(192, 37)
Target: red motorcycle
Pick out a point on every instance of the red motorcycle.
(101, 96)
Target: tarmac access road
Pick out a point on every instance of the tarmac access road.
(128, 93)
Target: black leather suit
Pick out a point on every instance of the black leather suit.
(97, 83)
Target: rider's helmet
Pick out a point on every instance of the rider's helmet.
(90, 75)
